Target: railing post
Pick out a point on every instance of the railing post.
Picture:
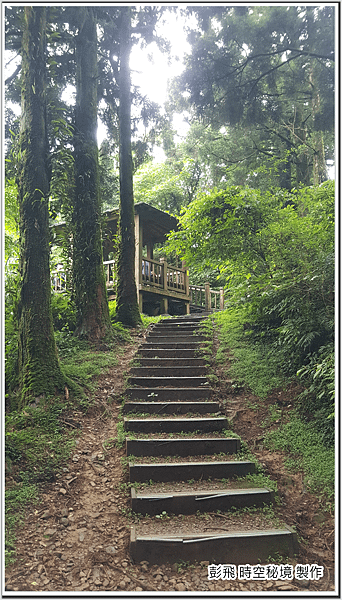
(221, 298)
(164, 272)
(164, 304)
(186, 278)
(207, 296)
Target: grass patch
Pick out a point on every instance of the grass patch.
(36, 446)
(120, 434)
(257, 480)
(252, 365)
(306, 452)
(86, 364)
(146, 320)
(16, 500)
(36, 440)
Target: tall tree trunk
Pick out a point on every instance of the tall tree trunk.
(90, 292)
(319, 170)
(127, 310)
(39, 370)
(303, 166)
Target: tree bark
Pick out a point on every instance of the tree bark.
(127, 310)
(39, 370)
(90, 294)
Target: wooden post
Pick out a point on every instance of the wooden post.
(186, 278)
(164, 272)
(221, 298)
(149, 250)
(186, 287)
(164, 303)
(207, 296)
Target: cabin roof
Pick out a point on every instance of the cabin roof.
(156, 223)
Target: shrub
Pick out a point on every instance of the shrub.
(63, 312)
(318, 396)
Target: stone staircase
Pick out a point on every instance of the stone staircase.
(182, 449)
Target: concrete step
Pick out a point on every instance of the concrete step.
(186, 328)
(188, 502)
(171, 408)
(169, 346)
(169, 394)
(237, 547)
(176, 425)
(148, 351)
(191, 330)
(174, 371)
(182, 446)
(171, 362)
(187, 471)
(157, 382)
(174, 337)
(185, 319)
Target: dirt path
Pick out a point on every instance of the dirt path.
(77, 538)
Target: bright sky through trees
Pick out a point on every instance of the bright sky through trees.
(152, 70)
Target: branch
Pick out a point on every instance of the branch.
(279, 135)
(242, 67)
(13, 76)
(232, 162)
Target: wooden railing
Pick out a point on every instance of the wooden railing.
(59, 280)
(206, 298)
(109, 269)
(161, 274)
(153, 274)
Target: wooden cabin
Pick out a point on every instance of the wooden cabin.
(161, 287)
(159, 284)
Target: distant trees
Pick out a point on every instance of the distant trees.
(265, 73)
(170, 185)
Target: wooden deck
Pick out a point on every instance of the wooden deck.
(159, 282)
(160, 286)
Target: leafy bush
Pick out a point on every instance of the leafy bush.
(112, 309)
(276, 250)
(63, 312)
(318, 396)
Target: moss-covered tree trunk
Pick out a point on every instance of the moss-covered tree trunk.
(90, 294)
(127, 310)
(39, 370)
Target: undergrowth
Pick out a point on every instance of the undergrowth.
(252, 365)
(16, 500)
(303, 443)
(307, 439)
